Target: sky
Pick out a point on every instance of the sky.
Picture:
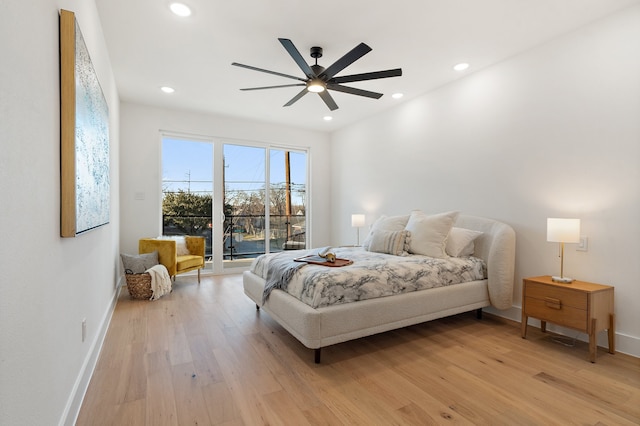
(188, 165)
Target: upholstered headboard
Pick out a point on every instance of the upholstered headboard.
(497, 247)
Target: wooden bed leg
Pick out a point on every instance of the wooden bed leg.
(479, 313)
(316, 357)
(257, 307)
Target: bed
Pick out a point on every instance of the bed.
(324, 325)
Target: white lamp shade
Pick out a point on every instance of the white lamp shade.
(563, 230)
(357, 220)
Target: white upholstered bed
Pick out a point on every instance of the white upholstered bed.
(329, 325)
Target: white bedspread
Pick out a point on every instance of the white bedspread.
(371, 275)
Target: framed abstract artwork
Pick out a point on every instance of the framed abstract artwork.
(84, 136)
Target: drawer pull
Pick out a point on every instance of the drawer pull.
(552, 303)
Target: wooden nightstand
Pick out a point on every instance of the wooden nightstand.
(579, 305)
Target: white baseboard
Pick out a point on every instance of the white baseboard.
(625, 344)
(72, 410)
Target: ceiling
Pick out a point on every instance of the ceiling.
(150, 47)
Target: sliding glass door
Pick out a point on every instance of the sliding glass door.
(244, 200)
(249, 201)
(254, 178)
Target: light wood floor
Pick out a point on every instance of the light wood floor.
(204, 356)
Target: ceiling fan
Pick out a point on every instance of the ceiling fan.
(319, 79)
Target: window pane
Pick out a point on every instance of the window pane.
(244, 200)
(287, 200)
(187, 183)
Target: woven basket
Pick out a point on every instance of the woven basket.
(139, 286)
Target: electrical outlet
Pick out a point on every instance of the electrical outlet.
(583, 245)
(84, 329)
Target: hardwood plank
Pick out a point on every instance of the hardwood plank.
(285, 368)
(220, 404)
(131, 413)
(204, 355)
(189, 401)
(161, 399)
(179, 351)
(283, 408)
(100, 400)
(321, 415)
(451, 396)
(616, 414)
(133, 380)
(244, 396)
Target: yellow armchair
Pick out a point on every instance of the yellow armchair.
(168, 254)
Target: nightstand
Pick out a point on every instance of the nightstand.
(579, 305)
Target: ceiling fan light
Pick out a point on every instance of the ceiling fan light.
(316, 86)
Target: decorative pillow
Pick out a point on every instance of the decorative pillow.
(181, 243)
(137, 264)
(461, 242)
(390, 242)
(429, 233)
(386, 223)
(181, 246)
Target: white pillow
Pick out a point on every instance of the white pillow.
(461, 242)
(386, 223)
(181, 244)
(429, 233)
(390, 242)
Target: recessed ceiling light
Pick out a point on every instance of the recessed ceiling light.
(327, 118)
(397, 95)
(461, 66)
(180, 9)
(167, 89)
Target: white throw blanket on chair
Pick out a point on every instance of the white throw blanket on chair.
(160, 281)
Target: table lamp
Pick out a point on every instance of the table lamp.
(357, 220)
(563, 231)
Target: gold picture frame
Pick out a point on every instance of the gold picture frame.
(84, 136)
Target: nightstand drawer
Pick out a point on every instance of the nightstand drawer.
(567, 296)
(554, 310)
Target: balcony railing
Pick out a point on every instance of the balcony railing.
(244, 235)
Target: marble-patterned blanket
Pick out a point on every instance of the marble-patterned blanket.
(371, 275)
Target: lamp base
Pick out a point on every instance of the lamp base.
(565, 280)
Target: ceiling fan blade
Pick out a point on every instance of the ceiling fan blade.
(367, 76)
(296, 97)
(295, 54)
(354, 91)
(350, 57)
(326, 97)
(274, 87)
(267, 71)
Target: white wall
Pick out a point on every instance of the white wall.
(141, 169)
(49, 284)
(552, 132)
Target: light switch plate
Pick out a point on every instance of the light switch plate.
(583, 245)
